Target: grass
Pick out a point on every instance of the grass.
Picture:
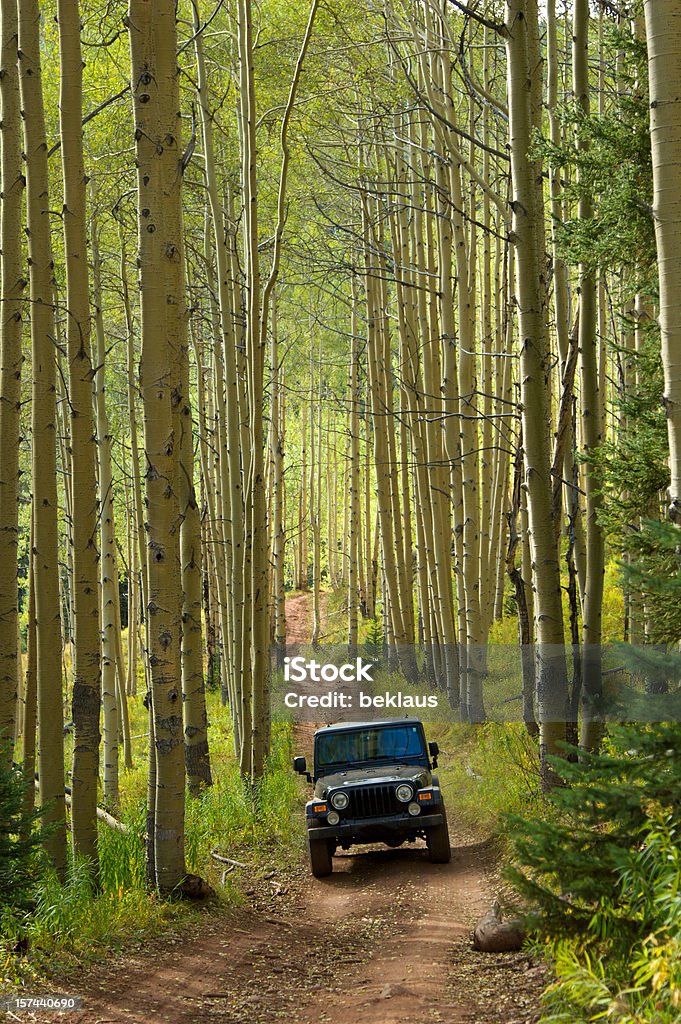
(71, 922)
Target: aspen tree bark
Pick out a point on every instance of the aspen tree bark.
(256, 583)
(217, 475)
(278, 485)
(302, 583)
(521, 32)
(216, 546)
(402, 612)
(354, 544)
(133, 599)
(109, 589)
(411, 388)
(488, 560)
(30, 686)
(520, 589)
(227, 392)
(316, 499)
(12, 287)
(381, 407)
(501, 505)
(257, 322)
(591, 420)
(663, 34)
(43, 424)
(134, 447)
(197, 760)
(154, 77)
(86, 661)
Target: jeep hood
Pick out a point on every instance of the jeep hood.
(353, 777)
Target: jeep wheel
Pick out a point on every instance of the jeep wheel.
(437, 840)
(321, 863)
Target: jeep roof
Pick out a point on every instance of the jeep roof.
(343, 726)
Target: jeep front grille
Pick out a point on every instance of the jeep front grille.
(373, 801)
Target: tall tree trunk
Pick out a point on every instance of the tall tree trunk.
(278, 492)
(521, 33)
(663, 32)
(43, 424)
(86, 659)
(131, 376)
(354, 544)
(109, 589)
(154, 76)
(591, 420)
(30, 687)
(11, 290)
(227, 392)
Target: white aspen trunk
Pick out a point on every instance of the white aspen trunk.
(86, 660)
(315, 502)
(43, 430)
(30, 686)
(521, 31)
(153, 43)
(278, 485)
(591, 420)
(12, 286)
(109, 589)
(354, 539)
(227, 389)
(663, 33)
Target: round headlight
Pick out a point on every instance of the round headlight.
(333, 817)
(340, 800)
(414, 809)
(404, 793)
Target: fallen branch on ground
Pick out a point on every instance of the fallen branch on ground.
(103, 815)
(226, 860)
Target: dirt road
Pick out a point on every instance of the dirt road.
(384, 940)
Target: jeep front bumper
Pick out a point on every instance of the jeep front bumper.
(366, 826)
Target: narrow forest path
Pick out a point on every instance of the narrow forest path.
(384, 940)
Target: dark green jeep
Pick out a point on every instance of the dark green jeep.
(373, 783)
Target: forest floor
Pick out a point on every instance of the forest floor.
(385, 940)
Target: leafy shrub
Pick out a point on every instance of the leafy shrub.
(603, 881)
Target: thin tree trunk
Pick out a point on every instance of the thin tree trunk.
(11, 291)
(354, 544)
(43, 423)
(591, 420)
(278, 484)
(30, 688)
(86, 660)
(109, 588)
(663, 32)
(521, 33)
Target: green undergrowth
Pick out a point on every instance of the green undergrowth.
(602, 881)
(487, 771)
(61, 925)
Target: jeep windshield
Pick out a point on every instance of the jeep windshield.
(400, 743)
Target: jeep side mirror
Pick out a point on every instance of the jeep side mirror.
(300, 766)
(434, 750)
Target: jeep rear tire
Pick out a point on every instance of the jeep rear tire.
(321, 863)
(437, 839)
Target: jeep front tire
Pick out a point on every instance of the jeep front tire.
(319, 850)
(437, 840)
